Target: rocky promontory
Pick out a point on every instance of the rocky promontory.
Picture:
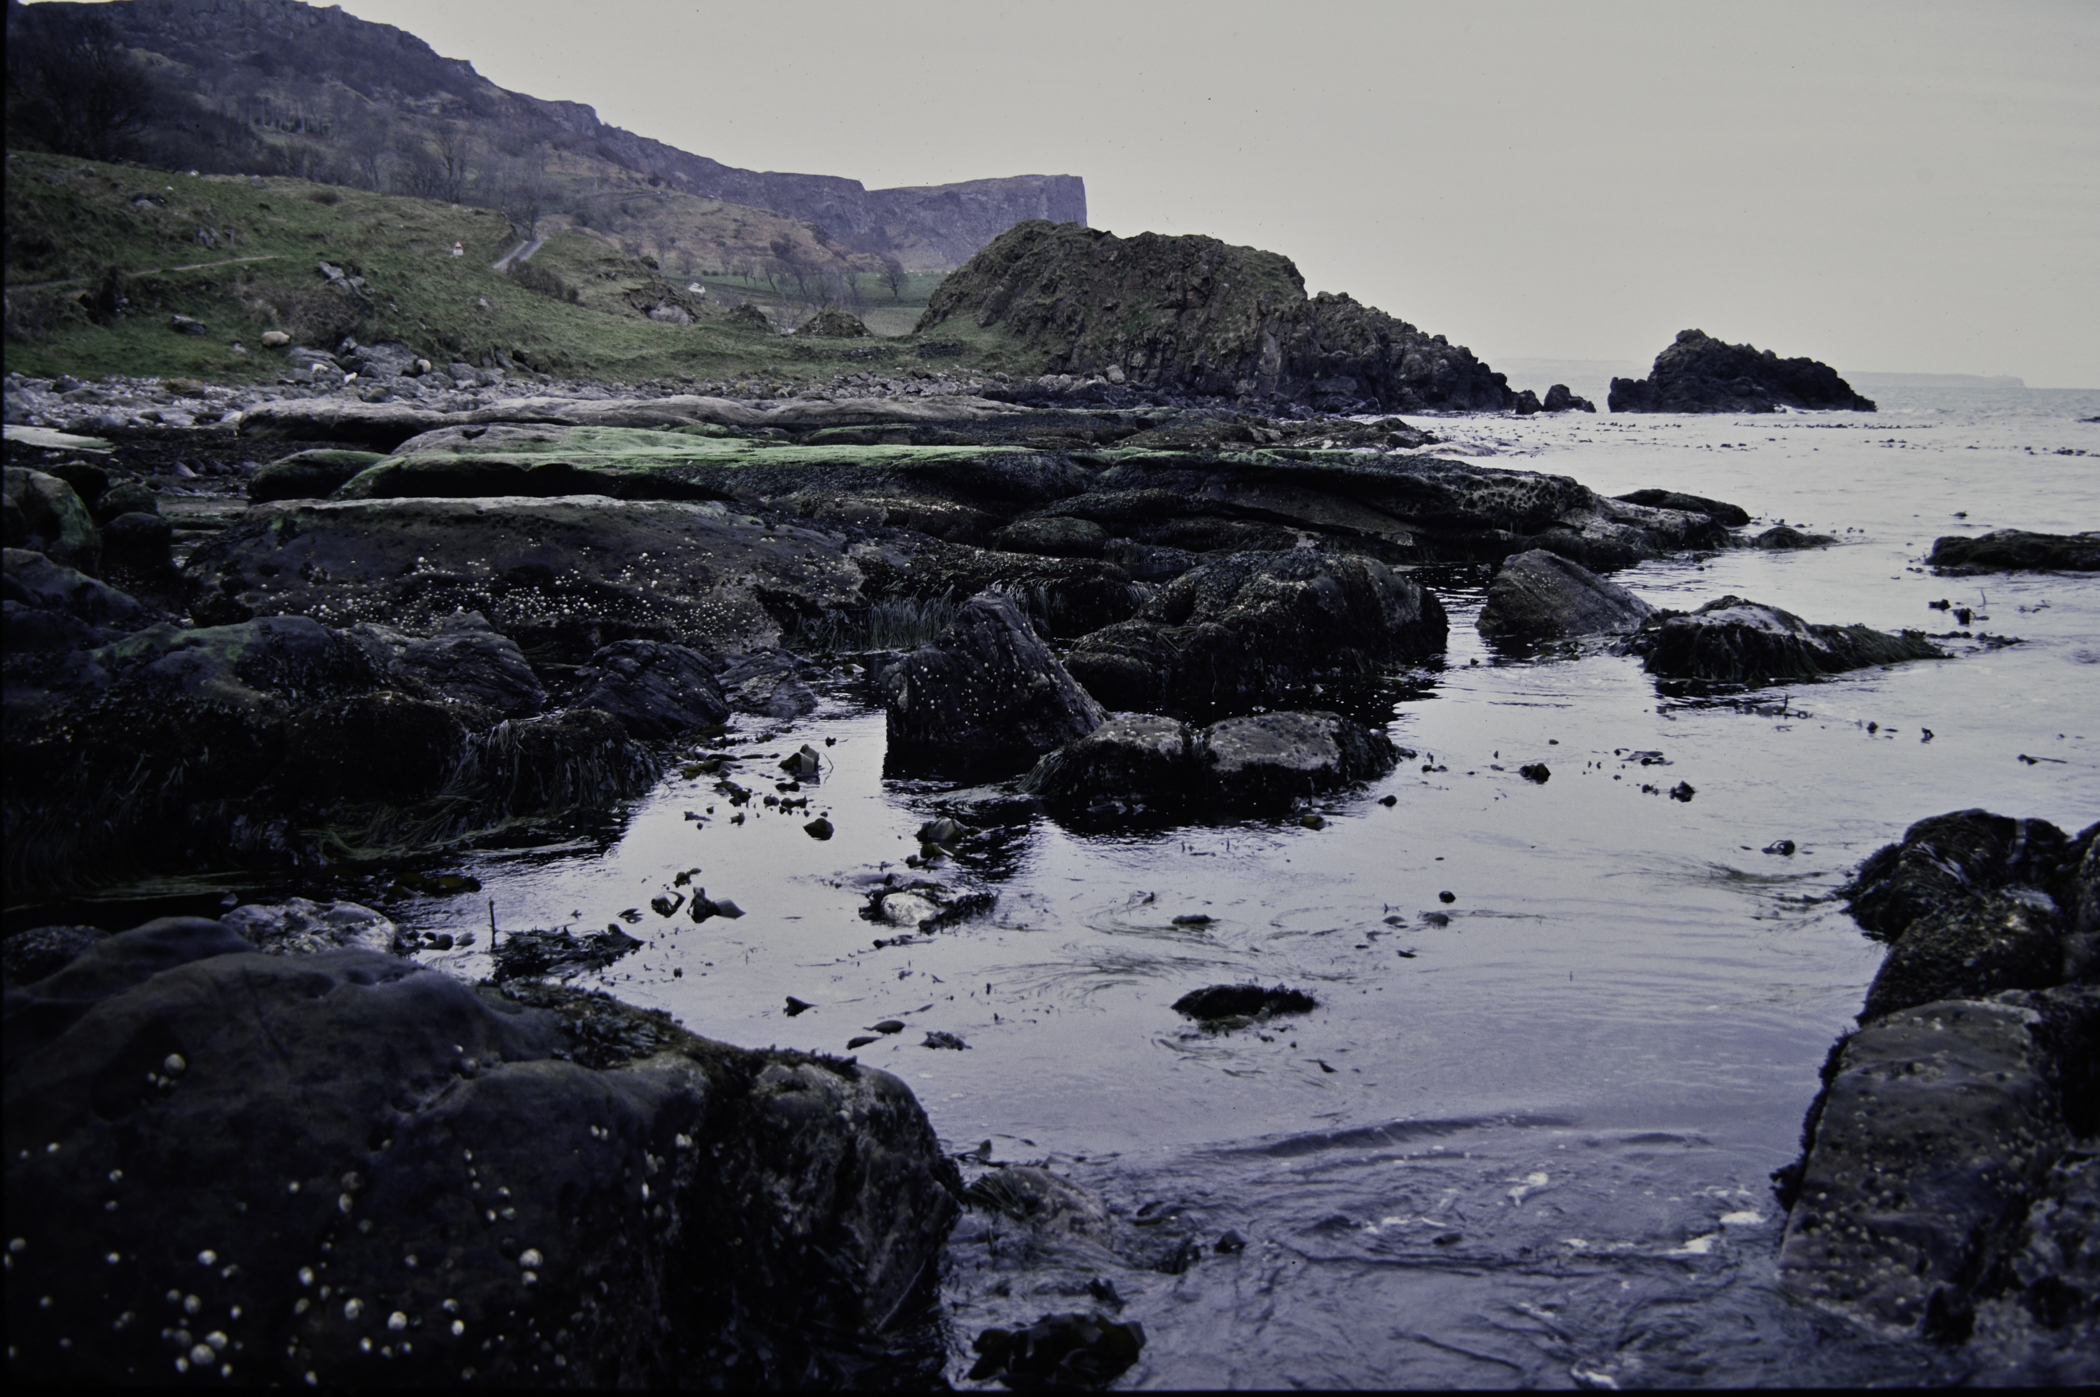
(1699, 373)
(1195, 315)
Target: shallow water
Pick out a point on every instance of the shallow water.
(1527, 1146)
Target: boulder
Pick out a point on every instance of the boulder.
(1732, 516)
(1220, 1006)
(2016, 550)
(1972, 949)
(767, 683)
(1781, 537)
(35, 952)
(1146, 764)
(1559, 399)
(1733, 641)
(656, 690)
(302, 927)
(139, 549)
(1541, 595)
(1251, 628)
(1698, 373)
(309, 475)
(987, 693)
(50, 606)
(1527, 404)
(834, 325)
(562, 577)
(42, 513)
(1943, 861)
(462, 660)
(434, 1183)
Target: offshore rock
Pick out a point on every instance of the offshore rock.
(1698, 373)
(1143, 763)
(1251, 627)
(1195, 315)
(1781, 538)
(1733, 641)
(2015, 550)
(1541, 595)
(1559, 399)
(436, 1183)
(987, 693)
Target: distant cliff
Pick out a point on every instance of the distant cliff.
(277, 86)
(1196, 315)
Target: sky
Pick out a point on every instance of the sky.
(1903, 187)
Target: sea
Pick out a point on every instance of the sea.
(1565, 1030)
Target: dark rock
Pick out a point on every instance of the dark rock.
(834, 325)
(1194, 315)
(301, 927)
(659, 1209)
(749, 317)
(31, 955)
(1972, 949)
(1733, 641)
(1537, 772)
(1145, 763)
(75, 609)
(1559, 399)
(1698, 373)
(940, 1039)
(381, 746)
(1540, 595)
(463, 660)
(769, 684)
(184, 325)
(1233, 1006)
(1944, 860)
(1781, 537)
(534, 954)
(1251, 628)
(2015, 550)
(1684, 791)
(309, 475)
(1058, 537)
(988, 693)
(1527, 403)
(125, 497)
(41, 513)
(924, 906)
(89, 481)
(654, 689)
(1730, 515)
(139, 545)
(1076, 1351)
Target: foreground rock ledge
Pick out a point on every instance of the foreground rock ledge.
(347, 1169)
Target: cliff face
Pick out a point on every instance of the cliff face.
(1698, 373)
(1196, 315)
(318, 91)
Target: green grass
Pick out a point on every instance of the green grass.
(70, 223)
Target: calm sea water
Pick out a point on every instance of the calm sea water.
(1530, 1144)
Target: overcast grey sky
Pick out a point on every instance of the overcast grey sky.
(1898, 187)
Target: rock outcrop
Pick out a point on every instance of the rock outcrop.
(1542, 596)
(434, 1183)
(1698, 373)
(1145, 764)
(1947, 1185)
(1251, 628)
(1733, 641)
(1195, 315)
(986, 694)
(2016, 550)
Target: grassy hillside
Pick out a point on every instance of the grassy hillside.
(99, 258)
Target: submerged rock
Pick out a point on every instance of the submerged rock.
(987, 693)
(561, 955)
(2015, 550)
(1698, 373)
(1733, 641)
(1542, 595)
(1781, 537)
(434, 1183)
(1229, 1006)
(1720, 511)
(1251, 628)
(1144, 763)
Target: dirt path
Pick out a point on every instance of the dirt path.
(521, 253)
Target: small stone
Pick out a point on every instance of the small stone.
(1447, 896)
(798, 1006)
(888, 1026)
(861, 1041)
(819, 828)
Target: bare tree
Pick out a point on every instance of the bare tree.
(87, 96)
(894, 276)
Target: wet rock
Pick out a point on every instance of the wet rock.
(1537, 772)
(1781, 537)
(1944, 860)
(309, 475)
(42, 513)
(988, 693)
(1527, 404)
(124, 497)
(1720, 511)
(463, 659)
(49, 606)
(767, 684)
(1733, 641)
(1143, 762)
(562, 577)
(1058, 1351)
(1559, 399)
(1698, 373)
(1059, 537)
(32, 954)
(1232, 1006)
(559, 1176)
(920, 905)
(1541, 595)
(302, 927)
(1930, 1161)
(1249, 629)
(655, 689)
(561, 954)
(940, 1039)
(139, 548)
(820, 828)
(1971, 949)
(2015, 550)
